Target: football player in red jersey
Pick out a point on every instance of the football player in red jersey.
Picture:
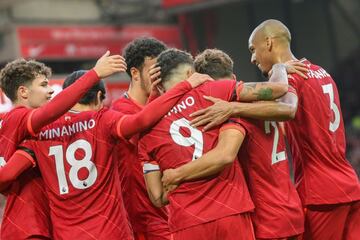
(148, 222)
(326, 182)
(216, 207)
(74, 155)
(278, 211)
(26, 84)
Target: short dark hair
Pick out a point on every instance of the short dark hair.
(20, 72)
(137, 50)
(91, 94)
(170, 59)
(214, 62)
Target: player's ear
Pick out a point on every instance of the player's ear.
(135, 74)
(269, 43)
(99, 101)
(189, 72)
(233, 76)
(22, 92)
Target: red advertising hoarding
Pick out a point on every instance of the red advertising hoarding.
(87, 42)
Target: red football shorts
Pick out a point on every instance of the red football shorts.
(235, 227)
(336, 221)
(154, 235)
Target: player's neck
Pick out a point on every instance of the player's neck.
(18, 103)
(138, 95)
(285, 55)
(172, 82)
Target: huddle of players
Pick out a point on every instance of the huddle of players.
(208, 197)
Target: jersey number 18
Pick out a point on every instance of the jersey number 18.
(76, 165)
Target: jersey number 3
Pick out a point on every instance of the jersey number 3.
(75, 165)
(328, 89)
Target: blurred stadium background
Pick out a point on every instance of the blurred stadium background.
(69, 35)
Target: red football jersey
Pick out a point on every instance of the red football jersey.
(143, 215)
(27, 208)
(317, 138)
(173, 142)
(75, 157)
(278, 210)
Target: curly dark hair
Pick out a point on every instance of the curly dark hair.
(90, 95)
(214, 62)
(20, 72)
(137, 50)
(170, 59)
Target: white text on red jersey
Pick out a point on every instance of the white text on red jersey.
(184, 104)
(67, 130)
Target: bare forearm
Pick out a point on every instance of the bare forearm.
(261, 91)
(210, 163)
(154, 187)
(205, 166)
(279, 74)
(272, 111)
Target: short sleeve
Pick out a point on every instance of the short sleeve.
(27, 150)
(111, 121)
(149, 164)
(235, 123)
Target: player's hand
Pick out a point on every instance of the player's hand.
(170, 188)
(155, 91)
(297, 67)
(169, 178)
(154, 75)
(166, 191)
(154, 72)
(197, 79)
(212, 116)
(107, 65)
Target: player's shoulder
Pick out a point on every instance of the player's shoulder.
(17, 112)
(219, 83)
(105, 111)
(216, 88)
(122, 100)
(248, 124)
(106, 117)
(15, 118)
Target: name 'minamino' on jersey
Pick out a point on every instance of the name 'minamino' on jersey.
(67, 130)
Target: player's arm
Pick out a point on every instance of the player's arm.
(154, 111)
(281, 110)
(221, 110)
(152, 175)
(214, 161)
(67, 98)
(276, 87)
(156, 192)
(290, 99)
(20, 161)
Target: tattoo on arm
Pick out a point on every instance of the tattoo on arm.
(264, 94)
(256, 90)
